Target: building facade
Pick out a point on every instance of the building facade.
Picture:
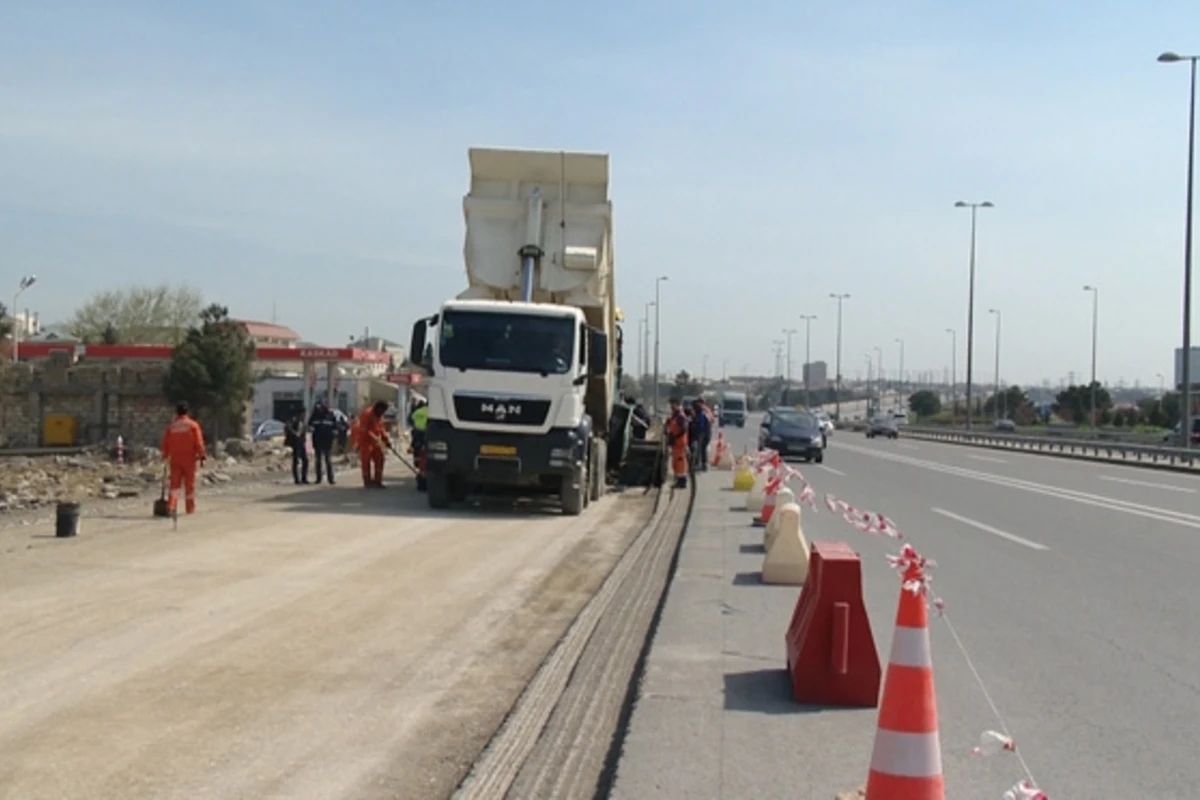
(815, 376)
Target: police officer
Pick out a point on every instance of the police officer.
(295, 436)
(323, 426)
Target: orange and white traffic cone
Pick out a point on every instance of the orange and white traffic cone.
(768, 509)
(719, 449)
(906, 762)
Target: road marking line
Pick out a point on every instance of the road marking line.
(987, 458)
(831, 469)
(1012, 537)
(908, 446)
(1083, 498)
(1132, 482)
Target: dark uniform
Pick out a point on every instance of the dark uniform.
(295, 437)
(324, 430)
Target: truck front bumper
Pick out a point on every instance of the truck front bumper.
(503, 459)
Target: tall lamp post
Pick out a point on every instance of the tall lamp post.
(646, 348)
(900, 376)
(837, 390)
(789, 333)
(658, 282)
(870, 375)
(1095, 314)
(808, 319)
(953, 374)
(971, 300)
(1185, 407)
(996, 397)
(26, 282)
(880, 385)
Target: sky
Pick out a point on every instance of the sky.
(308, 160)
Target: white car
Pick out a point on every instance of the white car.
(826, 422)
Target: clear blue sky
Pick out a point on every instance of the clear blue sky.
(764, 155)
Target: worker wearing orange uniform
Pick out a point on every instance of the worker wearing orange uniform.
(372, 438)
(183, 447)
(677, 437)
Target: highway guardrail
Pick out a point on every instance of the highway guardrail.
(1138, 455)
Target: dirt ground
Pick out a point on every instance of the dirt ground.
(320, 642)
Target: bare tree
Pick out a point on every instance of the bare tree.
(138, 315)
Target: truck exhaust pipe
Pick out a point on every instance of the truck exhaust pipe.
(532, 251)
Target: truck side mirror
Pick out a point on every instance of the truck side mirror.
(418, 351)
(597, 352)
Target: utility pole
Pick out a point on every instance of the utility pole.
(777, 348)
(808, 320)
(953, 375)
(900, 377)
(1185, 406)
(999, 394)
(1095, 314)
(657, 333)
(26, 282)
(837, 368)
(971, 301)
(880, 383)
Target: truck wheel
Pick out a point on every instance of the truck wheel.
(574, 497)
(438, 490)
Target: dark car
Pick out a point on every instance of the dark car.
(883, 426)
(792, 432)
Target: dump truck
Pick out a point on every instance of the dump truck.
(523, 368)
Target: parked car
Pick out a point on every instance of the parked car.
(1005, 425)
(1175, 440)
(883, 426)
(269, 431)
(791, 432)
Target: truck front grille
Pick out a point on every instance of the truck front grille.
(501, 411)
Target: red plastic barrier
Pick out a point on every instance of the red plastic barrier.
(830, 649)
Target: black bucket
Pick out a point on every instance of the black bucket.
(66, 520)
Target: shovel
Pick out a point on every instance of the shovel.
(160, 505)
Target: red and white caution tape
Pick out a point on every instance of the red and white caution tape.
(991, 742)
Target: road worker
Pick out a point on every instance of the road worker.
(372, 438)
(677, 438)
(183, 448)
(418, 421)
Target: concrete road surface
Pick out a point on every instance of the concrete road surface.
(328, 642)
(1073, 587)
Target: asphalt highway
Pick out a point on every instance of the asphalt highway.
(1072, 585)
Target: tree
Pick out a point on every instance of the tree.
(686, 385)
(138, 314)
(925, 403)
(1075, 402)
(211, 370)
(1010, 399)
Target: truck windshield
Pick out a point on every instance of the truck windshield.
(507, 342)
(734, 404)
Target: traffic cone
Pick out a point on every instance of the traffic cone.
(769, 493)
(906, 762)
(719, 449)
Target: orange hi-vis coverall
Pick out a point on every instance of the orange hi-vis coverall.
(183, 446)
(372, 436)
(677, 433)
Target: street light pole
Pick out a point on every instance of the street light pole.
(26, 282)
(808, 320)
(953, 374)
(900, 376)
(646, 348)
(657, 333)
(996, 397)
(870, 375)
(880, 385)
(971, 300)
(1095, 313)
(1185, 407)
(837, 390)
(789, 333)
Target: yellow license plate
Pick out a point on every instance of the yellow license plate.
(497, 450)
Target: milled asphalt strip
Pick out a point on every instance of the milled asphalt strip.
(498, 767)
(571, 756)
(1109, 503)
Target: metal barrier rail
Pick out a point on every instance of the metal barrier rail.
(1137, 455)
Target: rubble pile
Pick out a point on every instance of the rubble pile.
(33, 482)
